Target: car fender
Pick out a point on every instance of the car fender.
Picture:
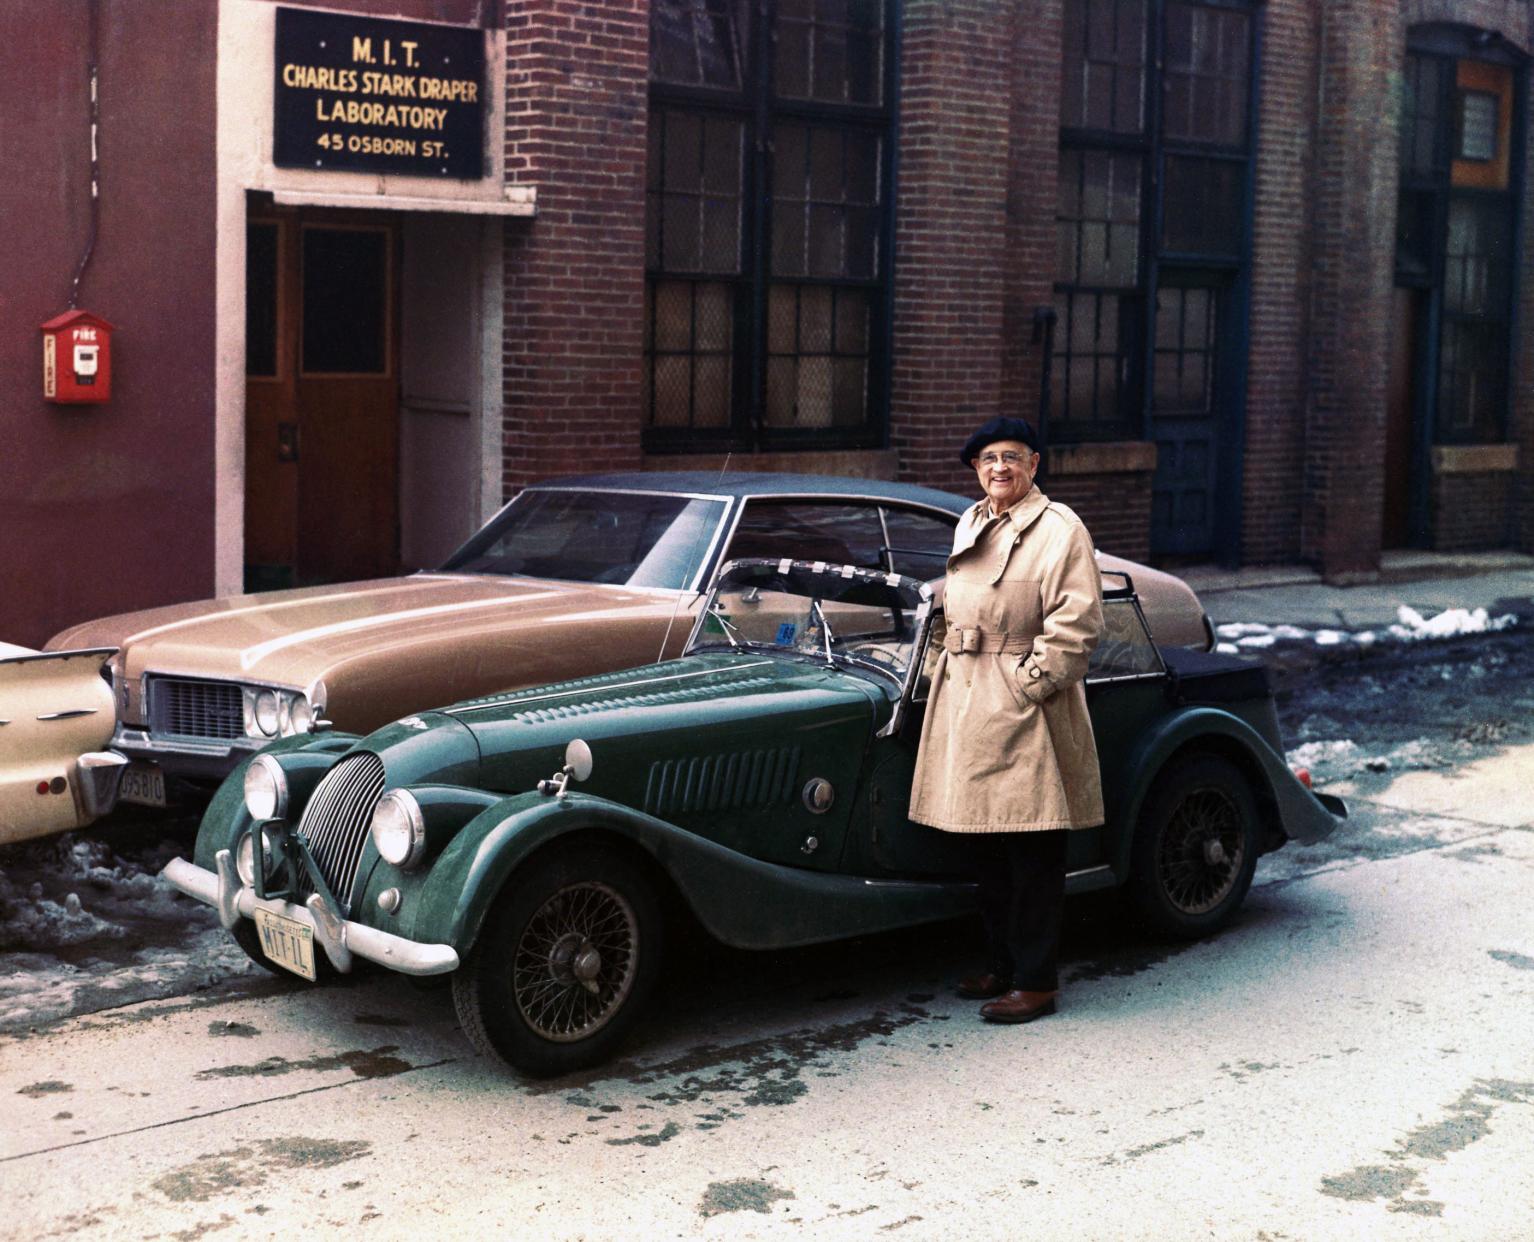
(741, 901)
(1301, 814)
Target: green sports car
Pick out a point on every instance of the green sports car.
(529, 843)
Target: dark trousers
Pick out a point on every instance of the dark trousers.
(1022, 897)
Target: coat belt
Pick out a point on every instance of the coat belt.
(972, 640)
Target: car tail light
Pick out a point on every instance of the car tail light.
(1303, 776)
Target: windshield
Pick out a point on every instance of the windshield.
(830, 613)
(626, 538)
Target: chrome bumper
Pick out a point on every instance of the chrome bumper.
(339, 938)
(100, 775)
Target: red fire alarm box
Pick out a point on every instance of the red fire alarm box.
(77, 358)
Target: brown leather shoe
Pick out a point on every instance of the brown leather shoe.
(982, 987)
(1019, 1006)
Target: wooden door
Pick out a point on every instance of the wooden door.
(322, 407)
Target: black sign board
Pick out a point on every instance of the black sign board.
(365, 95)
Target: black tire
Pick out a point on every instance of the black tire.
(1195, 848)
(565, 963)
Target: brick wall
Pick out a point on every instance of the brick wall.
(951, 233)
(576, 100)
(1470, 511)
(1033, 156)
(1274, 455)
(1353, 190)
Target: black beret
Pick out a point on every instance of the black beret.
(1019, 429)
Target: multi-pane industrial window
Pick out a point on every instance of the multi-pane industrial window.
(767, 248)
(1153, 125)
(1456, 207)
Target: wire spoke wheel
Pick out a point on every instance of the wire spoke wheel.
(1195, 846)
(1202, 851)
(575, 962)
(565, 963)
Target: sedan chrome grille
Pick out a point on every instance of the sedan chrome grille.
(335, 822)
(195, 708)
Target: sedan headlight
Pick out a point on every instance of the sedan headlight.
(266, 789)
(268, 712)
(399, 830)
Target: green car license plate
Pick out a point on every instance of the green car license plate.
(287, 942)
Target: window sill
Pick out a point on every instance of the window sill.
(1475, 458)
(1114, 457)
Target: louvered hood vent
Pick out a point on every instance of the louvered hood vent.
(751, 778)
(647, 688)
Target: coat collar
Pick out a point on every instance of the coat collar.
(978, 516)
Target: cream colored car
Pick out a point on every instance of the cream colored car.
(55, 718)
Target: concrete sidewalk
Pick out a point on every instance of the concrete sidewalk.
(1429, 582)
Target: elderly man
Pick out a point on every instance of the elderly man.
(1007, 751)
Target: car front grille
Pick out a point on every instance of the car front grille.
(336, 821)
(195, 708)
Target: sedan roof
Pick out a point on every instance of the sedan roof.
(740, 483)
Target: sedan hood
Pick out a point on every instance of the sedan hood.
(294, 637)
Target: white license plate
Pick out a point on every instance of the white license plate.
(287, 942)
(142, 783)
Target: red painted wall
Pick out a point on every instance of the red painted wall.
(106, 508)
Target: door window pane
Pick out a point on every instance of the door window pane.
(261, 300)
(919, 543)
(345, 277)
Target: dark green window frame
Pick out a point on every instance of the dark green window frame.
(1156, 163)
(769, 224)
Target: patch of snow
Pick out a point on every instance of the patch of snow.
(1227, 648)
(1238, 629)
(1290, 631)
(1314, 755)
(1412, 626)
(1330, 638)
(1256, 640)
(86, 923)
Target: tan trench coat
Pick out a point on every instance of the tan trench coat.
(1007, 745)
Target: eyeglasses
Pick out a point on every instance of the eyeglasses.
(1008, 458)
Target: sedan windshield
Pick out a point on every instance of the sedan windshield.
(625, 538)
(821, 612)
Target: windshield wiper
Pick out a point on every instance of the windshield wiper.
(726, 625)
(825, 626)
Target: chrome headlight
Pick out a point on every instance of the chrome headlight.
(268, 712)
(399, 830)
(266, 789)
(245, 857)
(300, 717)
